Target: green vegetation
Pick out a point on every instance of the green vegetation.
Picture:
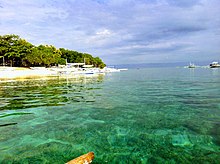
(17, 52)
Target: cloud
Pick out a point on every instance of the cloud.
(104, 32)
(119, 30)
(184, 3)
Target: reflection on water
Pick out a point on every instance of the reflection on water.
(139, 116)
(46, 92)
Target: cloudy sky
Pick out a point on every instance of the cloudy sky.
(120, 31)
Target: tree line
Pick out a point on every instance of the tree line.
(17, 52)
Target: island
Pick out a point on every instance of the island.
(19, 58)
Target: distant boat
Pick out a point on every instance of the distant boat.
(123, 69)
(214, 65)
(110, 69)
(191, 65)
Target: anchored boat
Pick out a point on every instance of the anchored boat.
(191, 65)
(214, 65)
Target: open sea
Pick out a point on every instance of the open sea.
(147, 115)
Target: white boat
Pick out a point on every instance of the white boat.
(110, 69)
(77, 71)
(214, 65)
(88, 71)
(191, 65)
(123, 69)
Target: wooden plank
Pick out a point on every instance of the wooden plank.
(83, 159)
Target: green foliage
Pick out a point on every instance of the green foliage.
(78, 57)
(13, 48)
(98, 62)
(19, 52)
(43, 56)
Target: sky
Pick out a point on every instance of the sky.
(120, 31)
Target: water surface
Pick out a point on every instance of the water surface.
(152, 115)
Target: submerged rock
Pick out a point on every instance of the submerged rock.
(181, 140)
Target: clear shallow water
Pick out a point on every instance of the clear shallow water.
(168, 115)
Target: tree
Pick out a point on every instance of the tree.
(98, 62)
(78, 57)
(14, 49)
(18, 52)
(44, 56)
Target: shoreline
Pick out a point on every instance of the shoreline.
(34, 72)
(22, 72)
(7, 73)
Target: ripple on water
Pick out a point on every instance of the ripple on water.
(139, 116)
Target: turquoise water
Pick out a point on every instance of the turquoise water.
(152, 115)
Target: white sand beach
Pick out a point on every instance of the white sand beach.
(32, 72)
(21, 72)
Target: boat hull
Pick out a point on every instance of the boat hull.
(214, 66)
(84, 159)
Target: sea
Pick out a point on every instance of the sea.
(139, 116)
